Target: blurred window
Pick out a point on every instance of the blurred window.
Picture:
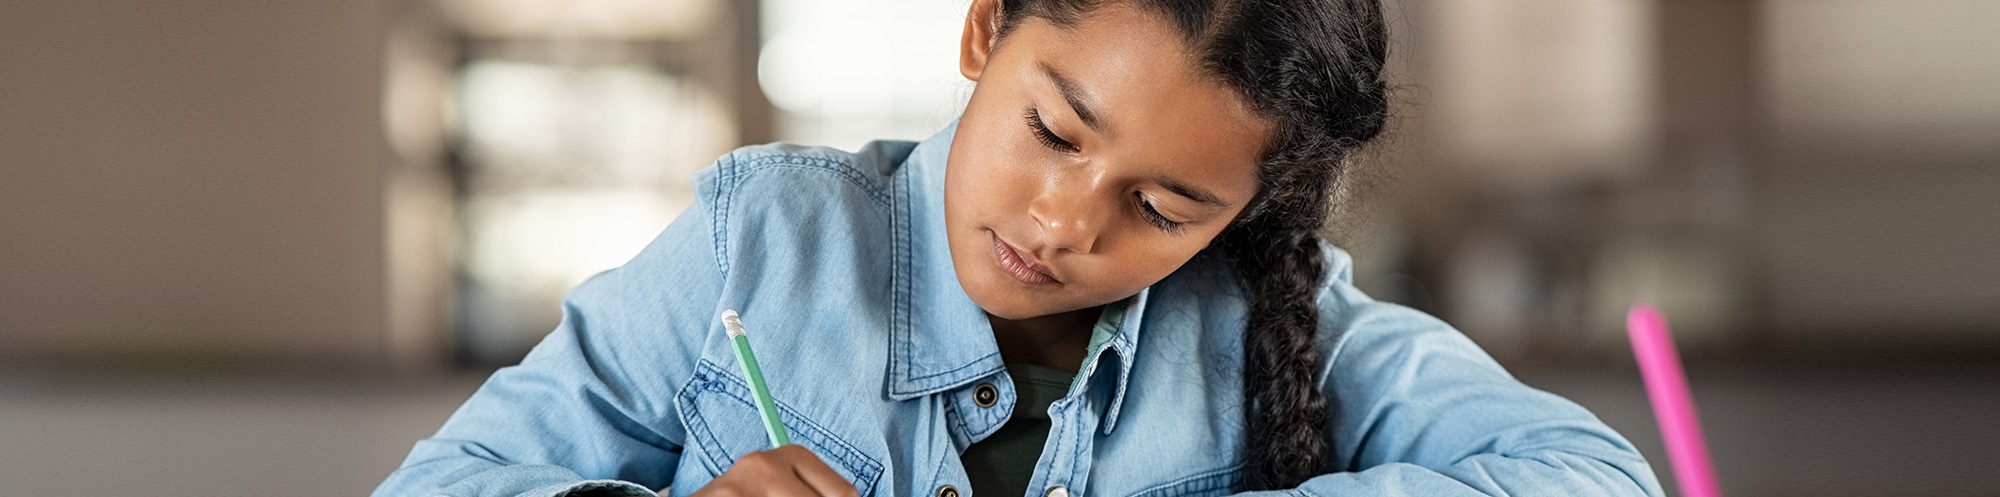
(844, 73)
(574, 129)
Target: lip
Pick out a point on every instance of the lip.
(1021, 267)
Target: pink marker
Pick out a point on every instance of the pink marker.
(1667, 386)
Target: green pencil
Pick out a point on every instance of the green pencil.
(765, 407)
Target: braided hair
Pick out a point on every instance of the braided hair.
(1313, 68)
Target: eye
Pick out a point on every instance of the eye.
(1048, 138)
(1153, 216)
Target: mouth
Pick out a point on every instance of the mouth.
(1021, 268)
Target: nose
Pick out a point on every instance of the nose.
(1070, 213)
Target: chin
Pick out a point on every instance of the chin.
(1016, 310)
(990, 293)
(999, 295)
(1006, 301)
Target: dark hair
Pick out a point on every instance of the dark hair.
(1314, 70)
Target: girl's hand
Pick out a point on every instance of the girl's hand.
(789, 471)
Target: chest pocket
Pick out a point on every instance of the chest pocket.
(1217, 482)
(723, 423)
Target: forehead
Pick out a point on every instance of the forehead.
(1156, 104)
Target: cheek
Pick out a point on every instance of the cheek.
(1144, 259)
(1166, 257)
(990, 176)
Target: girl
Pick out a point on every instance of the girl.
(1104, 279)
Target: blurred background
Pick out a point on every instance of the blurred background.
(269, 245)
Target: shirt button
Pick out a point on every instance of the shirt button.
(947, 491)
(985, 395)
(1056, 491)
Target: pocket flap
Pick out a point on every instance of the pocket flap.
(722, 421)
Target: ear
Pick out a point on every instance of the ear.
(975, 46)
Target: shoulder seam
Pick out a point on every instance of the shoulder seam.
(724, 187)
(731, 169)
(841, 168)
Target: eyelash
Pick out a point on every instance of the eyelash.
(1153, 216)
(1049, 139)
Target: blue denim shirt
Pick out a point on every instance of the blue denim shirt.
(838, 264)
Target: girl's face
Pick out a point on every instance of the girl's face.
(1091, 162)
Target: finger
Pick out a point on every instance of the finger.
(814, 472)
(782, 485)
(759, 474)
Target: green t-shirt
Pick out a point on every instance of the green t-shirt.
(1002, 463)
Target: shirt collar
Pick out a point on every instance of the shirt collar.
(939, 338)
(1123, 345)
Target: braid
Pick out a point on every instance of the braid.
(1275, 249)
(1287, 440)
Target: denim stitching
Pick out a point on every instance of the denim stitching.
(848, 454)
(899, 281)
(729, 172)
(988, 418)
(697, 424)
(840, 168)
(1200, 482)
(1063, 447)
(725, 179)
(932, 385)
(937, 474)
(957, 424)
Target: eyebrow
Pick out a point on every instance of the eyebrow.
(1189, 191)
(1075, 98)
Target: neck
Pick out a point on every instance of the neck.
(1056, 340)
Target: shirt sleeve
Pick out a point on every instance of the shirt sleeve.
(1422, 411)
(590, 410)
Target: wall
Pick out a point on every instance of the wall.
(197, 179)
(1880, 204)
